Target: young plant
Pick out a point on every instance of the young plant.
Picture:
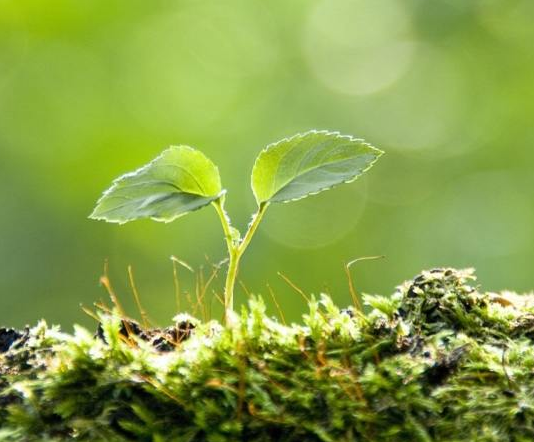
(183, 179)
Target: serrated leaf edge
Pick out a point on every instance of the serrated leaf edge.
(379, 153)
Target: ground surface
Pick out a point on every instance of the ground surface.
(437, 361)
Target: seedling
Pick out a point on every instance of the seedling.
(183, 179)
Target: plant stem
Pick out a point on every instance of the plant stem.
(225, 222)
(256, 219)
(236, 248)
(231, 275)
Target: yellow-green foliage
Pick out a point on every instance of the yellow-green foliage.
(437, 361)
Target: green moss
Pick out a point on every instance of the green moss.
(437, 361)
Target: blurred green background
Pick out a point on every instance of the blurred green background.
(92, 89)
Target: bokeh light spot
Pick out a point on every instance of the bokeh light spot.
(318, 220)
(357, 49)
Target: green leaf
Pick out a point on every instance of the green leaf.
(178, 181)
(309, 163)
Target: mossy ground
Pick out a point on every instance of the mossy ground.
(437, 361)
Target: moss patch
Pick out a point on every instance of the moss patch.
(437, 361)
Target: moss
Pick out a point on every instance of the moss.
(437, 361)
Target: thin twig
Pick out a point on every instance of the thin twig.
(245, 289)
(355, 299)
(176, 280)
(280, 312)
(104, 280)
(142, 312)
(294, 287)
(90, 313)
